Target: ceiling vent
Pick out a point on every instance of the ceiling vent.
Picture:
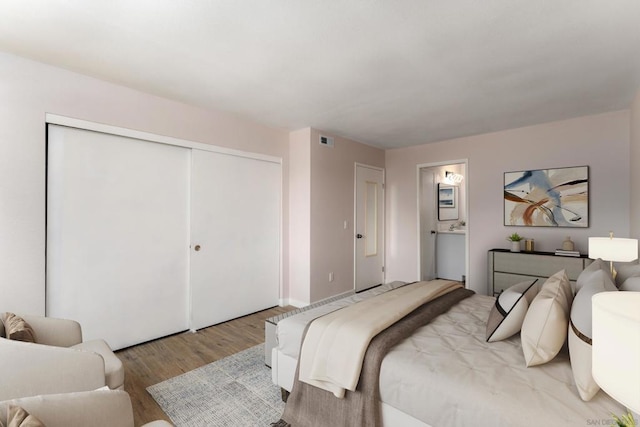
(326, 140)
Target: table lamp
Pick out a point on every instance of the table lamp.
(616, 346)
(613, 249)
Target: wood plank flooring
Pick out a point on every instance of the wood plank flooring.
(153, 362)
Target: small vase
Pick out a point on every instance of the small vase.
(515, 246)
(567, 245)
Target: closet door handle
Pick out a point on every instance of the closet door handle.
(359, 236)
(197, 248)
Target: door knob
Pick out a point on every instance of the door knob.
(196, 247)
(359, 236)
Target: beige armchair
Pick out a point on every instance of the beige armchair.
(59, 362)
(98, 408)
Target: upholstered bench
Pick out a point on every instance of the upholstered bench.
(331, 303)
(271, 323)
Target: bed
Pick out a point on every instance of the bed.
(447, 374)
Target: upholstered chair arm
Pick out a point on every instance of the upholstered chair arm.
(28, 369)
(52, 331)
(99, 408)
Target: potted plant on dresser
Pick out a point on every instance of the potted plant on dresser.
(515, 239)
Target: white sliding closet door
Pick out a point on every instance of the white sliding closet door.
(235, 222)
(117, 235)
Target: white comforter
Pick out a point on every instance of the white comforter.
(446, 374)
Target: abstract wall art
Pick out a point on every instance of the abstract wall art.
(547, 197)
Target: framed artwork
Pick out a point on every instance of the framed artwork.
(446, 196)
(447, 202)
(547, 197)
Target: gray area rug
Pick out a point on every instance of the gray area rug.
(234, 391)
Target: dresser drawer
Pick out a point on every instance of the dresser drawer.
(508, 268)
(502, 281)
(537, 265)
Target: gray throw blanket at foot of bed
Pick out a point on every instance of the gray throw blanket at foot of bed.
(309, 406)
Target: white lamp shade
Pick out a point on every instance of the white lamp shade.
(616, 346)
(613, 249)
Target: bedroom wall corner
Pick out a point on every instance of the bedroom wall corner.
(332, 203)
(634, 158)
(298, 293)
(321, 186)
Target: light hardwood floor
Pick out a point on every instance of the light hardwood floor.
(153, 362)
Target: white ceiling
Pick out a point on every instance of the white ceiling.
(389, 73)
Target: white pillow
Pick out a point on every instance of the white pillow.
(507, 314)
(631, 284)
(580, 332)
(594, 267)
(626, 270)
(544, 329)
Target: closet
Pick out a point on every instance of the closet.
(148, 236)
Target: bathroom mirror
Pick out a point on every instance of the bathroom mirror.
(447, 202)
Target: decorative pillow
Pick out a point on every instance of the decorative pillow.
(626, 270)
(507, 315)
(631, 284)
(593, 268)
(18, 417)
(17, 329)
(544, 329)
(580, 332)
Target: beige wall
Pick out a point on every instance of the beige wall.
(322, 199)
(322, 179)
(332, 203)
(635, 168)
(299, 290)
(599, 141)
(28, 90)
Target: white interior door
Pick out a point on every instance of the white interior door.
(117, 235)
(235, 239)
(369, 220)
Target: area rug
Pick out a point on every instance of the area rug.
(234, 391)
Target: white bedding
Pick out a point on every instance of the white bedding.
(289, 330)
(335, 344)
(446, 374)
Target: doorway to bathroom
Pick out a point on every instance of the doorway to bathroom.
(442, 220)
